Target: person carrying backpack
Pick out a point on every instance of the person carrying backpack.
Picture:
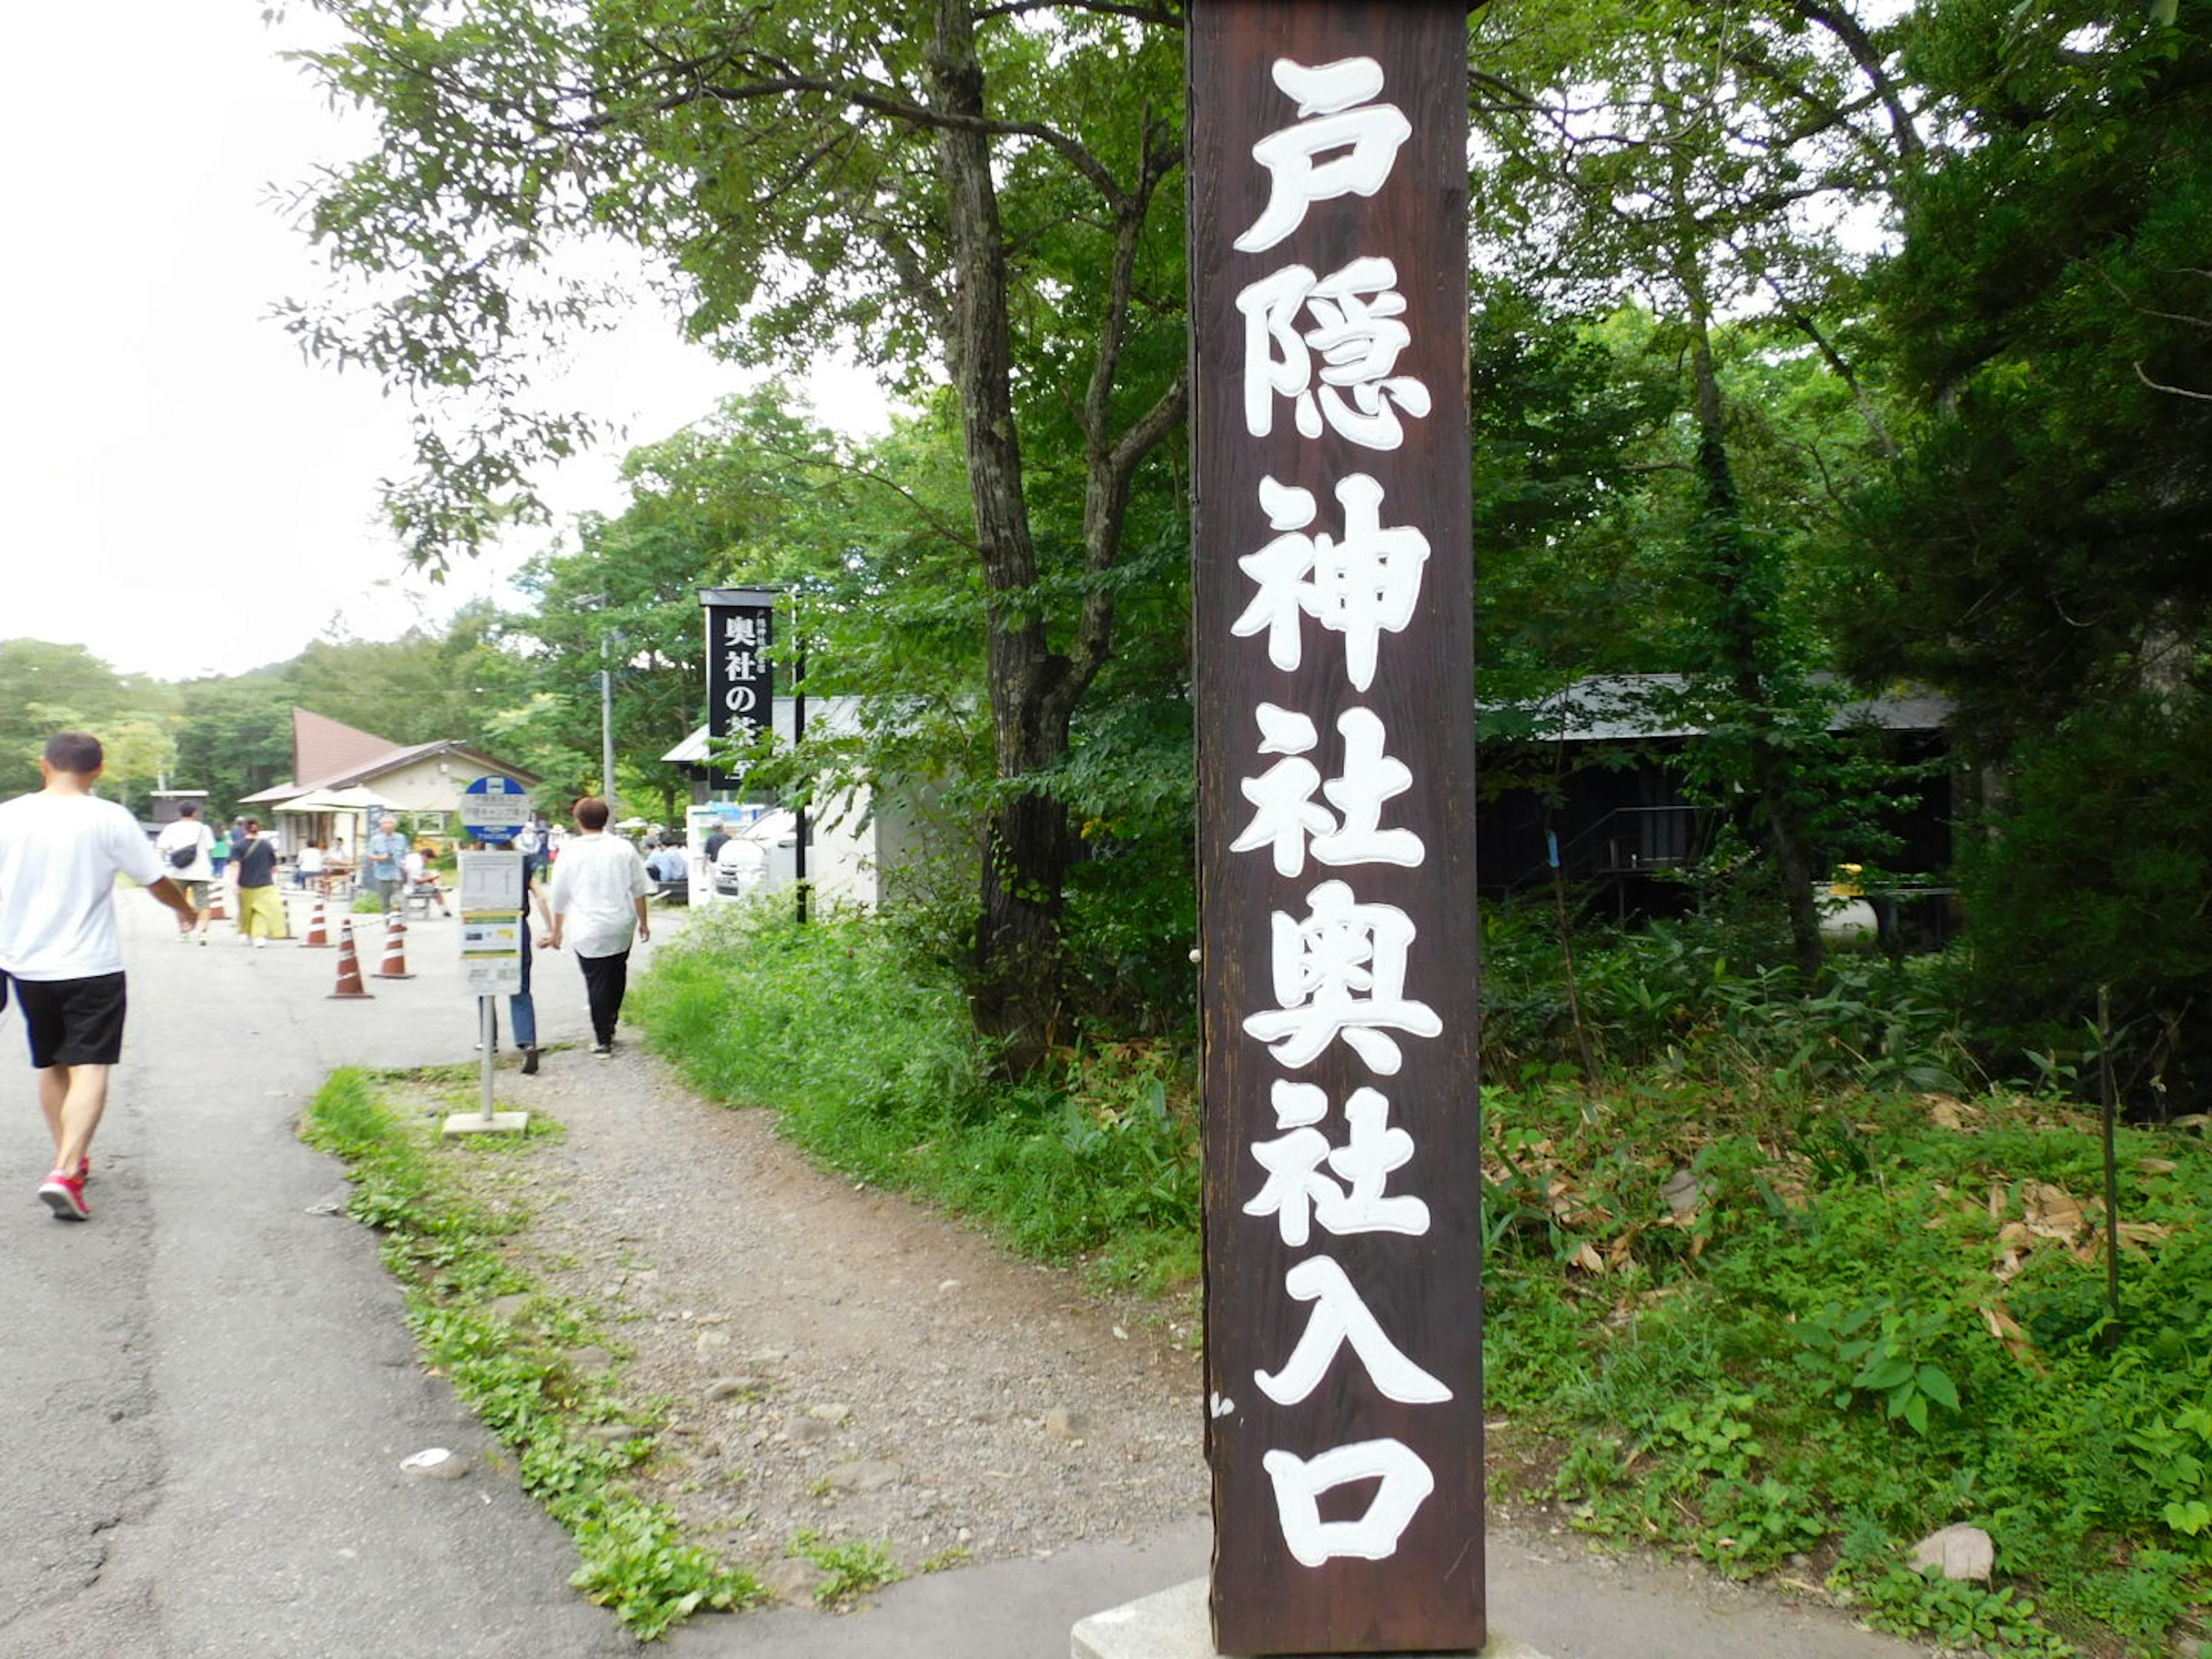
(187, 850)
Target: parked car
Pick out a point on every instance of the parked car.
(759, 858)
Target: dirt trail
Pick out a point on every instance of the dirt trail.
(839, 1359)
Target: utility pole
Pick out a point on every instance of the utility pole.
(607, 726)
(803, 829)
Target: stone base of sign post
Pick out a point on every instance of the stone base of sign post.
(476, 1123)
(1173, 1625)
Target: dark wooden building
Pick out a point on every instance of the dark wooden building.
(1596, 776)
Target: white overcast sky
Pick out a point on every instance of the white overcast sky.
(178, 491)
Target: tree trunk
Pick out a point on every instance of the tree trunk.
(1018, 971)
(1741, 593)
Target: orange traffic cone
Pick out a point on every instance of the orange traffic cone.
(319, 929)
(349, 983)
(395, 951)
(217, 911)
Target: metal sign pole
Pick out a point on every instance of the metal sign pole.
(486, 1022)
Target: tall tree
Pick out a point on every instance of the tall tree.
(724, 501)
(2043, 551)
(234, 738)
(946, 184)
(1687, 156)
(45, 688)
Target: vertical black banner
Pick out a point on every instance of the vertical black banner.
(740, 678)
(1334, 666)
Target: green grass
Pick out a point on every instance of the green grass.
(1874, 1324)
(866, 1057)
(443, 1244)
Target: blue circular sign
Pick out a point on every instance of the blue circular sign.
(495, 809)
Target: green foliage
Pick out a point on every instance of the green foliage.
(46, 688)
(443, 1246)
(1691, 1000)
(852, 1567)
(234, 738)
(2037, 551)
(1955, 1614)
(1864, 1351)
(863, 1053)
(2089, 882)
(1766, 1326)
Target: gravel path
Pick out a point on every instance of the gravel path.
(842, 1359)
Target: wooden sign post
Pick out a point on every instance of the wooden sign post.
(740, 669)
(1335, 645)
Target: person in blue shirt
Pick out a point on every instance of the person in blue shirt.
(385, 850)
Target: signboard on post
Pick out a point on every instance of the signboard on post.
(491, 901)
(1334, 667)
(494, 809)
(740, 671)
(491, 898)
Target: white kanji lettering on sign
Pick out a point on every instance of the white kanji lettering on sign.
(741, 699)
(1300, 1481)
(1339, 1317)
(1356, 333)
(1362, 585)
(739, 665)
(1296, 1192)
(1340, 971)
(1336, 113)
(741, 630)
(1370, 778)
(1284, 794)
(1288, 816)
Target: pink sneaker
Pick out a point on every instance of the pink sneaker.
(64, 1195)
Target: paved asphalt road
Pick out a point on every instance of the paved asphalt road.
(206, 1391)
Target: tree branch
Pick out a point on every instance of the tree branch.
(2176, 391)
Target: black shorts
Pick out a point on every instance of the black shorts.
(73, 1021)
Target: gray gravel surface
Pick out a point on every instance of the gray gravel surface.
(842, 1360)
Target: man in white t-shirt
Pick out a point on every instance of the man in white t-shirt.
(192, 843)
(599, 890)
(60, 852)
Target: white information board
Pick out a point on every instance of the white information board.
(491, 899)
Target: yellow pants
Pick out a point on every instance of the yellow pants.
(260, 910)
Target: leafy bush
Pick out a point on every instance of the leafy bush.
(2096, 881)
(1673, 996)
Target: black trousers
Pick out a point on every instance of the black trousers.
(605, 980)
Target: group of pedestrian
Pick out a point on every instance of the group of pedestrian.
(196, 858)
(61, 954)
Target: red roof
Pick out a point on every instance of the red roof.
(323, 747)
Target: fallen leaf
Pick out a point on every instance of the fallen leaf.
(2007, 1330)
(2156, 1165)
(1588, 1260)
(2051, 1211)
(1945, 1112)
